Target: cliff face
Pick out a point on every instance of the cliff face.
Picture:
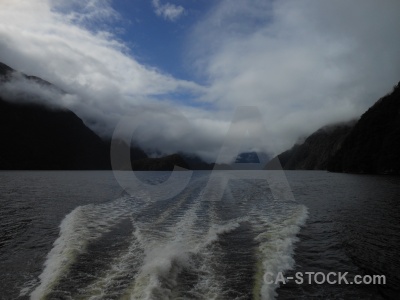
(373, 146)
(370, 145)
(5, 70)
(317, 150)
(36, 138)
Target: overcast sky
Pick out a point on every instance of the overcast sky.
(303, 63)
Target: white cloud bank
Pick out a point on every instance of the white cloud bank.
(304, 63)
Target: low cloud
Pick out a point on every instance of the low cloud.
(168, 11)
(304, 63)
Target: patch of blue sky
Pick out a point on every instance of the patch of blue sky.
(149, 38)
(156, 41)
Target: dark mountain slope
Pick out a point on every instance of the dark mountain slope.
(373, 146)
(34, 137)
(196, 163)
(317, 149)
(165, 163)
(5, 70)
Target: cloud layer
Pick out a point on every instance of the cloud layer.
(304, 63)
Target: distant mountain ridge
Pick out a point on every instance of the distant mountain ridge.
(36, 137)
(370, 145)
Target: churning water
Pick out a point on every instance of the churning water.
(78, 235)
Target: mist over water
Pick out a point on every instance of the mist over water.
(77, 235)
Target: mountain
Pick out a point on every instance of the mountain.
(250, 161)
(196, 163)
(370, 145)
(5, 70)
(6, 73)
(251, 158)
(317, 149)
(373, 145)
(166, 163)
(36, 137)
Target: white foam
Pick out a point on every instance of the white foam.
(209, 284)
(122, 265)
(28, 287)
(65, 247)
(165, 258)
(83, 224)
(216, 230)
(160, 250)
(277, 248)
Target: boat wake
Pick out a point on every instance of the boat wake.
(196, 245)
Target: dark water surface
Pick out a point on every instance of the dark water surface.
(78, 235)
(353, 226)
